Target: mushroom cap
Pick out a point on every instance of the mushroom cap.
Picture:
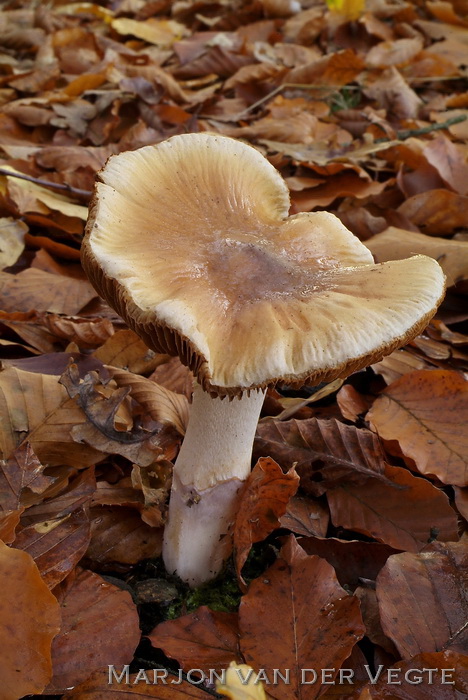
(190, 242)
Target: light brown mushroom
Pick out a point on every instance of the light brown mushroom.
(190, 241)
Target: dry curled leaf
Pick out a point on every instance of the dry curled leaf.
(264, 500)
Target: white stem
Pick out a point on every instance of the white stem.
(212, 465)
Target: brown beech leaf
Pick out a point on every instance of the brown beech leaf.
(445, 677)
(30, 620)
(264, 500)
(276, 632)
(127, 351)
(397, 364)
(396, 244)
(405, 517)
(47, 420)
(11, 240)
(423, 411)
(306, 516)
(393, 53)
(437, 212)
(44, 331)
(161, 404)
(336, 69)
(351, 402)
(204, 639)
(72, 496)
(8, 523)
(37, 290)
(119, 535)
(56, 545)
(92, 609)
(326, 451)
(175, 376)
(351, 559)
(21, 471)
(149, 684)
(422, 599)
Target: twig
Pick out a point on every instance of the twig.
(46, 183)
(273, 93)
(407, 133)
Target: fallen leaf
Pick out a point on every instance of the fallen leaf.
(394, 53)
(21, 471)
(101, 409)
(351, 559)
(352, 404)
(119, 535)
(56, 544)
(12, 234)
(275, 633)
(30, 620)
(47, 421)
(37, 290)
(175, 376)
(161, 404)
(392, 92)
(422, 599)
(397, 364)
(423, 410)
(90, 608)
(436, 212)
(306, 516)
(325, 451)
(160, 32)
(204, 639)
(126, 350)
(397, 244)
(404, 517)
(263, 501)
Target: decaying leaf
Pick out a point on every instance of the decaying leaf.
(396, 244)
(30, 620)
(423, 411)
(406, 513)
(422, 599)
(11, 240)
(90, 608)
(328, 448)
(264, 500)
(275, 632)
(204, 639)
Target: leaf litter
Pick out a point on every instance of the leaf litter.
(362, 107)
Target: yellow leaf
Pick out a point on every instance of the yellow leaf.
(242, 683)
(350, 9)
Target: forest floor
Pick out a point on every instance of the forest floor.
(351, 537)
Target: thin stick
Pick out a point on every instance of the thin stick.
(46, 183)
(407, 133)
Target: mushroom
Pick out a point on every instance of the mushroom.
(190, 242)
